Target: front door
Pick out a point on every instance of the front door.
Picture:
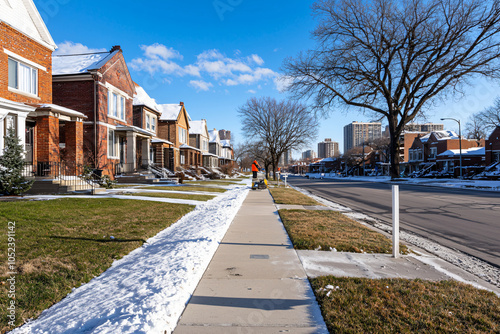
(29, 141)
(122, 150)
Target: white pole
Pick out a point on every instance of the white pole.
(395, 221)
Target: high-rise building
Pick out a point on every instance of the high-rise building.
(309, 154)
(427, 127)
(285, 158)
(328, 148)
(358, 132)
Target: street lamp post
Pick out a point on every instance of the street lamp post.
(459, 140)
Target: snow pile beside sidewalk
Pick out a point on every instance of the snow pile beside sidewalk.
(147, 290)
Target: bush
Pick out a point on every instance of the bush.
(12, 182)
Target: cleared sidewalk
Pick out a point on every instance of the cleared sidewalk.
(255, 282)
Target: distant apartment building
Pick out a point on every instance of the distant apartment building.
(358, 132)
(417, 127)
(328, 148)
(285, 158)
(309, 154)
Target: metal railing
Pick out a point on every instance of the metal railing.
(70, 175)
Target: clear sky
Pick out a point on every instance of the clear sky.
(212, 54)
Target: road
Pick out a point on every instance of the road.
(467, 220)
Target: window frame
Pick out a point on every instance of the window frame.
(113, 141)
(116, 105)
(33, 80)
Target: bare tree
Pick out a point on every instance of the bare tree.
(240, 152)
(394, 58)
(279, 125)
(474, 128)
(490, 117)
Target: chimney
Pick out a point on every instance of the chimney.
(181, 103)
(115, 48)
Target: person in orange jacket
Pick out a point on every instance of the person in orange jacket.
(255, 168)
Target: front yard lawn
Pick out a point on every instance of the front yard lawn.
(63, 243)
(187, 188)
(361, 305)
(174, 195)
(310, 229)
(212, 182)
(291, 196)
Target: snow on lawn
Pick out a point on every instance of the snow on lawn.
(147, 290)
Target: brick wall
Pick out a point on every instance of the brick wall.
(76, 95)
(24, 46)
(47, 133)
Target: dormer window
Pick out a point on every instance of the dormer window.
(23, 77)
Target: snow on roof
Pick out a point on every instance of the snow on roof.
(425, 138)
(213, 136)
(141, 98)
(62, 110)
(327, 159)
(8, 104)
(23, 16)
(197, 127)
(79, 63)
(189, 147)
(445, 135)
(170, 112)
(465, 152)
(226, 142)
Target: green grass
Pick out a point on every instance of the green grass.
(291, 196)
(63, 243)
(310, 229)
(174, 195)
(186, 188)
(361, 305)
(212, 182)
(119, 186)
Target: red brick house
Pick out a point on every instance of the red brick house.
(146, 116)
(173, 126)
(100, 86)
(492, 147)
(50, 133)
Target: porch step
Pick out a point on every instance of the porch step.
(50, 187)
(137, 178)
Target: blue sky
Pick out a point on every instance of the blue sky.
(212, 55)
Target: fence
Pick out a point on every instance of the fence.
(76, 177)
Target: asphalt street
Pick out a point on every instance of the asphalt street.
(463, 219)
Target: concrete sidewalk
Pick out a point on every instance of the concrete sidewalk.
(255, 282)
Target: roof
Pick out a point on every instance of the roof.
(159, 140)
(141, 98)
(189, 147)
(170, 112)
(213, 136)
(445, 135)
(327, 159)
(226, 142)
(61, 109)
(23, 16)
(197, 127)
(475, 151)
(80, 63)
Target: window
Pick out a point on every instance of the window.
(153, 123)
(10, 121)
(205, 145)
(433, 153)
(116, 105)
(112, 144)
(183, 158)
(148, 122)
(23, 77)
(182, 135)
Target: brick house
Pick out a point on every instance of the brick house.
(50, 133)
(199, 138)
(173, 126)
(214, 143)
(427, 151)
(100, 86)
(151, 149)
(492, 147)
(227, 155)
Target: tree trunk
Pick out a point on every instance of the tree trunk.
(394, 132)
